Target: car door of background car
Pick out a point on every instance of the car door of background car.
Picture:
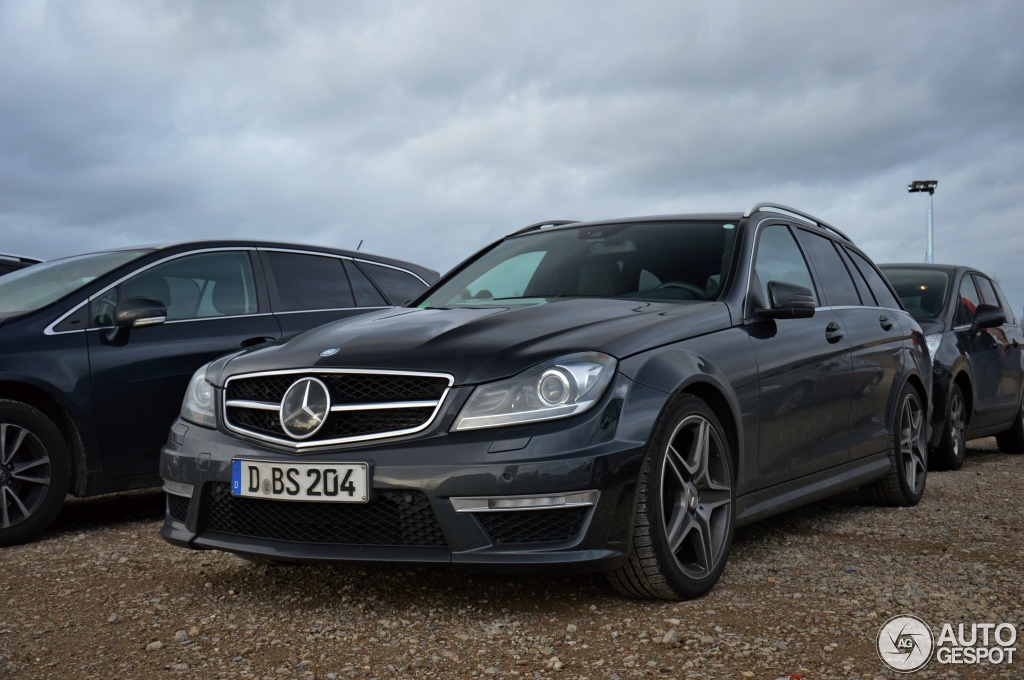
(804, 371)
(213, 304)
(310, 289)
(997, 355)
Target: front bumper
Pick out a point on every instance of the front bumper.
(411, 516)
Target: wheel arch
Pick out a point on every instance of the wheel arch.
(40, 399)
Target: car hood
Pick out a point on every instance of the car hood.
(482, 344)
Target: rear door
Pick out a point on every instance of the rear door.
(213, 307)
(998, 354)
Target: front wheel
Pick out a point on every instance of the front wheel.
(952, 448)
(1012, 440)
(908, 455)
(685, 513)
(34, 472)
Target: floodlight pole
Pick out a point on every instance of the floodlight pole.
(928, 185)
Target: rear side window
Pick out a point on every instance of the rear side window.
(879, 288)
(309, 282)
(366, 293)
(400, 286)
(835, 279)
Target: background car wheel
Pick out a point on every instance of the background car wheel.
(34, 472)
(685, 512)
(952, 448)
(1012, 440)
(908, 455)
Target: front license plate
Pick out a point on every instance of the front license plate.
(324, 482)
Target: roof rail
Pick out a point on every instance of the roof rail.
(793, 211)
(546, 223)
(20, 258)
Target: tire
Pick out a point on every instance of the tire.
(904, 484)
(952, 448)
(685, 511)
(35, 470)
(1012, 440)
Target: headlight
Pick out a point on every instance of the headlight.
(199, 400)
(555, 389)
(933, 341)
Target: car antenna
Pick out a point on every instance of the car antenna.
(360, 244)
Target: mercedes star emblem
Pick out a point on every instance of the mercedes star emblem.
(304, 408)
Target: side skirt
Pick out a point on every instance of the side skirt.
(818, 486)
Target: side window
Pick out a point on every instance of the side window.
(879, 287)
(968, 303)
(838, 287)
(366, 293)
(863, 289)
(1004, 305)
(191, 287)
(398, 285)
(309, 282)
(779, 259)
(988, 291)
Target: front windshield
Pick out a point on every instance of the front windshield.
(35, 287)
(922, 291)
(648, 260)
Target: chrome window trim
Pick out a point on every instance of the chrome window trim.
(300, 445)
(330, 309)
(49, 329)
(343, 257)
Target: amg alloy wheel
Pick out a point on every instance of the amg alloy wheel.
(34, 472)
(908, 455)
(684, 516)
(952, 448)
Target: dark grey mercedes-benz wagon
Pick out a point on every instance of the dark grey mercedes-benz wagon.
(615, 396)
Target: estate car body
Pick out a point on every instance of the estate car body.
(975, 343)
(612, 396)
(97, 349)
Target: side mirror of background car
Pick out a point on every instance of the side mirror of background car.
(133, 313)
(987, 316)
(788, 301)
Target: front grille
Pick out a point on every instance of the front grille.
(394, 518)
(177, 507)
(533, 526)
(365, 405)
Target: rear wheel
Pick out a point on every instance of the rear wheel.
(952, 448)
(908, 455)
(684, 515)
(34, 472)
(1012, 440)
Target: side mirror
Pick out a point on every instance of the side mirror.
(133, 313)
(788, 301)
(987, 316)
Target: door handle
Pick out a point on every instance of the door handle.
(884, 322)
(833, 333)
(252, 342)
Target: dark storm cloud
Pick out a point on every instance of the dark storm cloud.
(428, 129)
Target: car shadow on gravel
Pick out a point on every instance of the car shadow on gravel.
(82, 514)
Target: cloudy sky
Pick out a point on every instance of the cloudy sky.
(426, 130)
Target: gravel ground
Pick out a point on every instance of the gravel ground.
(803, 596)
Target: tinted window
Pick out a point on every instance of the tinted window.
(879, 288)
(308, 282)
(968, 303)
(839, 287)
(988, 293)
(922, 291)
(399, 286)
(191, 287)
(366, 294)
(779, 259)
(1003, 304)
